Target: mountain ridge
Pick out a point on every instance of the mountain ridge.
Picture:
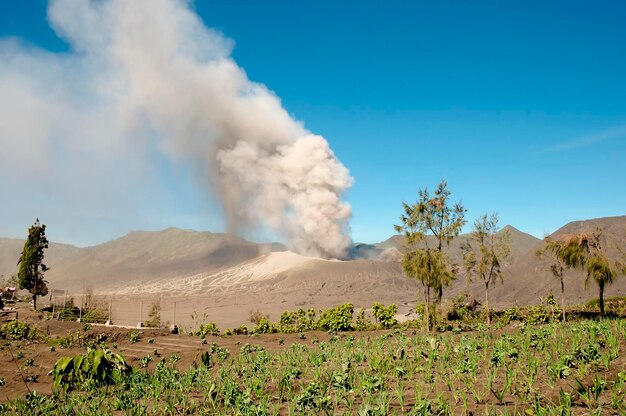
(168, 258)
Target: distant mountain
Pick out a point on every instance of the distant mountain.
(528, 277)
(10, 250)
(233, 271)
(521, 243)
(138, 256)
(613, 232)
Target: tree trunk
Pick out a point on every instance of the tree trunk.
(427, 309)
(563, 298)
(487, 304)
(601, 285)
(34, 302)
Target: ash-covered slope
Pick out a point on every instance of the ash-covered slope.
(288, 278)
(184, 262)
(141, 256)
(373, 274)
(528, 277)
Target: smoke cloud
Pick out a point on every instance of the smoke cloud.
(145, 75)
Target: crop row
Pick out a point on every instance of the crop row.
(551, 369)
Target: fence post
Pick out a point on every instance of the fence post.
(80, 310)
(110, 305)
(174, 328)
(140, 324)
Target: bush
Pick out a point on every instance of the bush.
(95, 315)
(386, 317)
(207, 329)
(337, 319)
(134, 337)
(510, 315)
(463, 309)
(16, 330)
(536, 315)
(154, 316)
(362, 322)
(256, 316)
(264, 327)
(615, 304)
(69, 313)
(298, 321)
(96, 368)
(77, 339)
(241, 330)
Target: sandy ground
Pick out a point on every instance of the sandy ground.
(226, 311)
(270, 284)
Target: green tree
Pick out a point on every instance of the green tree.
(564, 255)
(31, 271)
(585, 251)
(485, 253)
(432, 220)
(597, 265)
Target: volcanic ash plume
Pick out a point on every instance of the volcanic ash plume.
(149, 71)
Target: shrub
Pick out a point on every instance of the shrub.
(77, 339)
(615, 304)
(463, 309)
(337, 319)
(362, 322)
(263, 327)
(298, 321)
(241, 330)
(154, 316)
(207, 329)
(95, 315)
(385, 316)
(16, 330)
(536, 315)
(510, 315)
(256, 316)
(69, 313)
(134, 337)
(96, 368)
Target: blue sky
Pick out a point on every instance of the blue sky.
(520, 106)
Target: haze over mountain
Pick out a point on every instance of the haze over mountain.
(10, 249)
(221, 269)
(137, 257)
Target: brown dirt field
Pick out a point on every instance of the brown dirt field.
(14, 370)
(160, 343)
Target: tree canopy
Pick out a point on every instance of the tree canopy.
(564, 255)
(32, 268)
(484, 255)
(583, 251)
(430, 216)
